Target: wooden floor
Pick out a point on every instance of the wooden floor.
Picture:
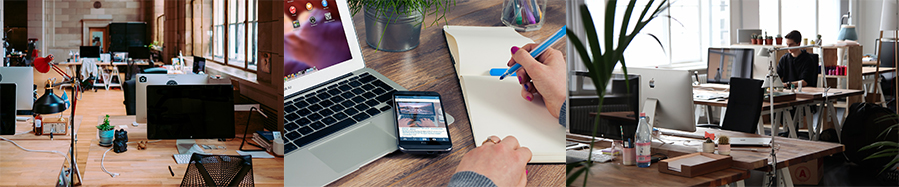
(91, 105)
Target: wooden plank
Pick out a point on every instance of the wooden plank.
(22, 168)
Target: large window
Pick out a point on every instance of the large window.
(693, 26)
(233, 33)
(809, 17)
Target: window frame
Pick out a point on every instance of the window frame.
(242, 58)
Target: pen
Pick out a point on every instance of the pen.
(170, 171)
(537, 51)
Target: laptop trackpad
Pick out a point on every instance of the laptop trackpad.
(355, 147)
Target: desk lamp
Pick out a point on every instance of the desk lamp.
(49, 103)
(847, 32)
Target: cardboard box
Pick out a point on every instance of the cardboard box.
(808, 173)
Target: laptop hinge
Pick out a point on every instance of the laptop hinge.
(318, 85)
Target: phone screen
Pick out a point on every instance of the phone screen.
(420, 118)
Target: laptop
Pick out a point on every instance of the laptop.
(337, 115)
(24, 79)
(738, 141)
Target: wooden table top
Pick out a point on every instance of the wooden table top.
(722, 88)
(872, 70)
(150, 166)
(430, 68)
(22, 126)
(611, 174)
(791, 151)
(22, 168)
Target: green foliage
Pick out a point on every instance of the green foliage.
(600, 64)
(438, 8)
(887, 148)
(723, 140)
(105, 126)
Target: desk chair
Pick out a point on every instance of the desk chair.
(744, 106)
(219, 170)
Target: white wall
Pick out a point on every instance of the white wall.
(867, 15)
(744, 14)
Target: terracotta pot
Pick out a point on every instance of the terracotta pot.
(724, 149)
(769, 41)
(755, 41)
(779, 41)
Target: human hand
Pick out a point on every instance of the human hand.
(542, 77)
(404, 122)
(502, 161)
(428, 123)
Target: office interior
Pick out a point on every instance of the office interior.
(705, 42)
(116, 42)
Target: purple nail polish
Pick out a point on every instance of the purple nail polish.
(514, 49)
(528, 97)
(519, 80)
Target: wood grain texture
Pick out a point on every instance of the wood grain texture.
(610, 174)
(22, 168)
(430, 68)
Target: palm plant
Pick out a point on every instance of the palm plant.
(887, 148)
(600, 64)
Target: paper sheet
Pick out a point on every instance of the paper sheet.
(678, 164)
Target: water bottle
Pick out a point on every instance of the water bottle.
(644, 142)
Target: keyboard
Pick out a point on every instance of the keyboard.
(335, 106)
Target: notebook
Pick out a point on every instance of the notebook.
(495, 107)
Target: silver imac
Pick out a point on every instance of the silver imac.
(24, 79)
(670, 96)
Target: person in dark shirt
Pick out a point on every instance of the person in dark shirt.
(798, 66)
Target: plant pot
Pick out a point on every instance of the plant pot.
(106, 137)
(769, 41)
(708, 147)
(724, 149)
(779, 41)
(388, 30)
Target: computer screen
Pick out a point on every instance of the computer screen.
(138, 52)
(90, 51)
(725, 63)
(190, 111)
(23, 77)
(199, 64)
(620, 100)
(7, 108)
(674, 92)
(119, 56)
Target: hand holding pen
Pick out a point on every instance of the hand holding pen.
(541, 77)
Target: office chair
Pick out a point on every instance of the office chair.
(219, 170)
(744, 106)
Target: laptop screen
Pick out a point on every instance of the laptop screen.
(314, 37)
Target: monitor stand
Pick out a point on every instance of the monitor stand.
(184, 145)
(649, 107)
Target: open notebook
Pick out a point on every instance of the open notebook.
(495, 106)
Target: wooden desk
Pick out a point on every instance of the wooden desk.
(150, 166)
(22, 126)
(871, 70)
(791, 152)
(430, 68)
(21, 168)
(610, 174)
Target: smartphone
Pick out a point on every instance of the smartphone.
(421, 123)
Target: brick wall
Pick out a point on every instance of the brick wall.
(60, 27)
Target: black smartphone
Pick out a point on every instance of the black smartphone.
(421, 123)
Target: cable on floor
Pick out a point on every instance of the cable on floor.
(104, 158)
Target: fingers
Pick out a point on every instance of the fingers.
(527, 95)
(523, 181)
(491, 140)
(510, 142)
(524, 153)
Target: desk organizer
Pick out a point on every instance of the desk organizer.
(692, 169)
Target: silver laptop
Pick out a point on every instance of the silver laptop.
(743, 141)
(143, 80)
(24, 79)
(337, 115)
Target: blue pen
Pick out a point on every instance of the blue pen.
(537, 51)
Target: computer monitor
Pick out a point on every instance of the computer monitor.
(725, 63)
(89, 51)
(190, 111)
(673, 91)
(619, 101)
(119, 56)
(199, 64)
(23, 77)
(139, 52)
(144, 80)
(7, 108)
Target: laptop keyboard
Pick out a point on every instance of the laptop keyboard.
(335, 107)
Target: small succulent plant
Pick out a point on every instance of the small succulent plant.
(723, 140)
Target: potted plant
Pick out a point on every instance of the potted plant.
(708, 146)
(601, 60)
(105, 131)
(889, 149)
(779, 39)
(395, 25)
(723, 145)
(753, 39)
(769, 40)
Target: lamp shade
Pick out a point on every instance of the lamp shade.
(764, 52)
(49, 103)
(889, 19)
(847, 32)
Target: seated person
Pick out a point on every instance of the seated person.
(797, 67)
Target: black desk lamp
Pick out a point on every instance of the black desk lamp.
(49, 103)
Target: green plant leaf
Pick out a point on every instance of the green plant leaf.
(887, 130)
(573, 176)
(879, 144)
(880, 155)
(889, 165)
